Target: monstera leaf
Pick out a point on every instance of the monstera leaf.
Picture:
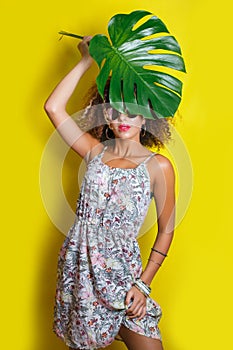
(137, 80)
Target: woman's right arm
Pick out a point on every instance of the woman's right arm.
(55, 106)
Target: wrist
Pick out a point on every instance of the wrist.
(147, 276)
(142, 287)
(86, 62)
(146, 280)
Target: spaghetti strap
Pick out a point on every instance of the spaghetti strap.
(148, 158)
(102, 152)
(98, 155)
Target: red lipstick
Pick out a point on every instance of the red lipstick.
(124, 127)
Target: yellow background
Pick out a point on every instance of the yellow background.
(194, 285)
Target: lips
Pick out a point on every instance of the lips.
(124, 127)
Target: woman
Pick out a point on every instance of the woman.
(102, 292)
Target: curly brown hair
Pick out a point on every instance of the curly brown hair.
(156, 133)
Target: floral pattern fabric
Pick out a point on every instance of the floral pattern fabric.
(100, 258)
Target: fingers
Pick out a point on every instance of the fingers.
(87, 38)
(143, 313)
(84, 49)
(129, 297)
(136, 302)
(84, 42)
(137, 309)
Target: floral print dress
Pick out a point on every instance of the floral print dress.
(100, 258)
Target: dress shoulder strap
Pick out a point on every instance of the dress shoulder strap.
(103, 150)
(97, 156)
(148, 158)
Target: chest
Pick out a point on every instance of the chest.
(117, 182)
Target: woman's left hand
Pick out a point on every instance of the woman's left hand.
(138, 303)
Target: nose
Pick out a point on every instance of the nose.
(122, 116)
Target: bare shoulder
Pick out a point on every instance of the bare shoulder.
(162, 162)
(95, 150)
(161, 167)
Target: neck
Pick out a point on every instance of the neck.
(124, 148)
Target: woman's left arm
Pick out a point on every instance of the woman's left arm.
(164, 195)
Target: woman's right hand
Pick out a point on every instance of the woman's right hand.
(83, 47)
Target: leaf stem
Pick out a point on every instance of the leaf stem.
(62, 32)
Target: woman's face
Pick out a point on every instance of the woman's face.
(125, 126)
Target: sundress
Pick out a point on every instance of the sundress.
(100, 260)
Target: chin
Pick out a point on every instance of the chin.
(127, 136)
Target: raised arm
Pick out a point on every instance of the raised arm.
(164, 195)
(55, 106)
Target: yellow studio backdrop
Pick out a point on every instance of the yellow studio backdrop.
(194, 285)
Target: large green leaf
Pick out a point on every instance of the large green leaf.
(126, 59)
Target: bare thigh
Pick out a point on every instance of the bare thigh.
(135, 341)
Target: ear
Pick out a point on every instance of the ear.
(143, 121)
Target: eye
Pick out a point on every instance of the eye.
(112, 113)
(115, 114)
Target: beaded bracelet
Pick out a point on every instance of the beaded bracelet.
(142, 287)
(157, 251)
